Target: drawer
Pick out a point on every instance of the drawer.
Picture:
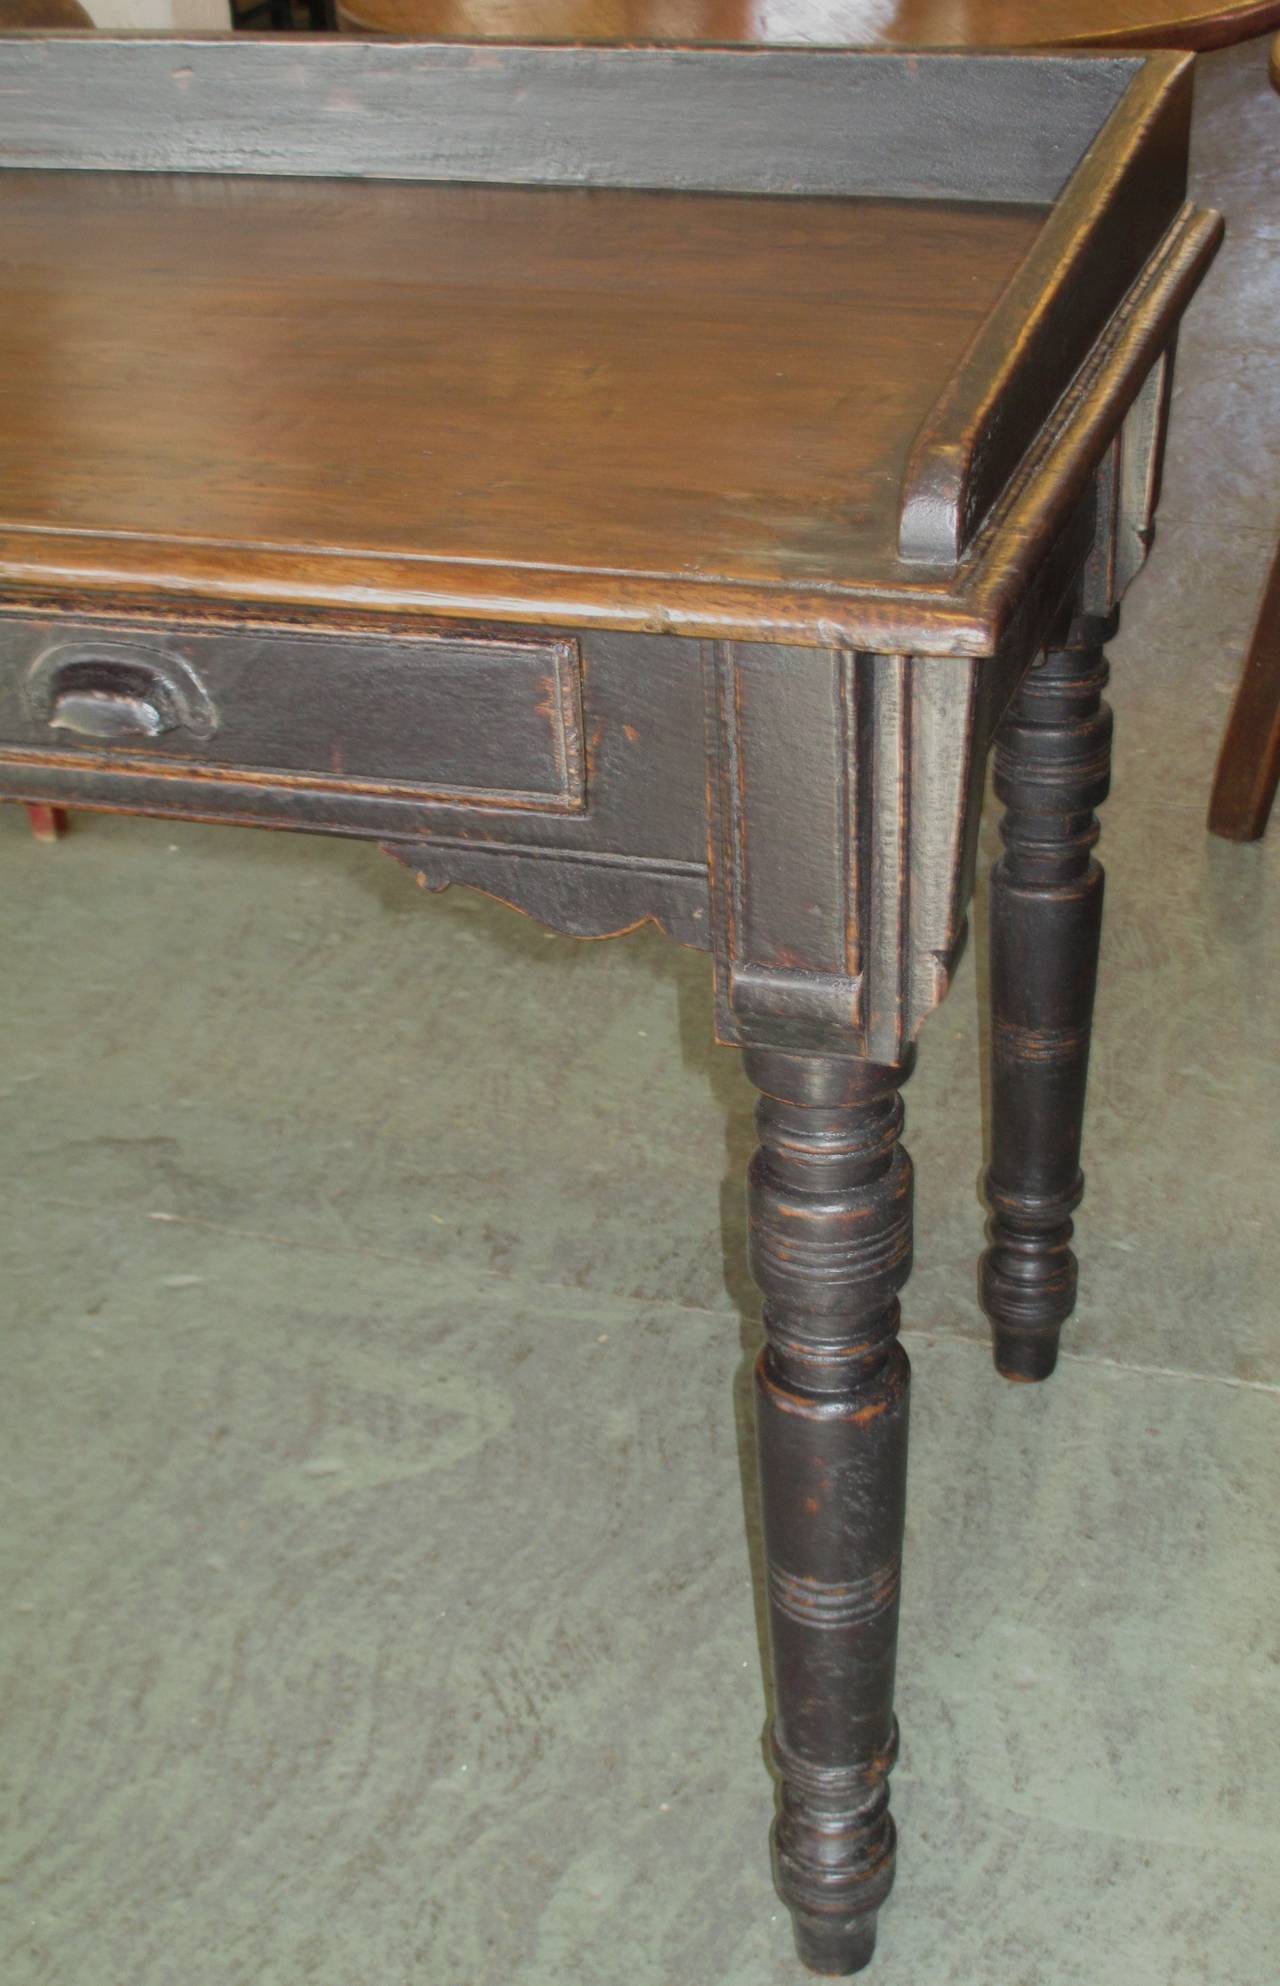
(482, 720)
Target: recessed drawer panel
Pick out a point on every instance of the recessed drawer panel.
(484, 721)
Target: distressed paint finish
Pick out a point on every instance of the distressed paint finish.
(845, 791)
(830, 1206)
(463, 719)
(1052, 768)
(758, 714)
(1128, 491)
(720, 120)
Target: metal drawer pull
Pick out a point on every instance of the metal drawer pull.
(101, 714)
(116, 690)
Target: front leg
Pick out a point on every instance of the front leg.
(830, 1195)
(1052, 768)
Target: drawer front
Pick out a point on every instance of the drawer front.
(460, 720)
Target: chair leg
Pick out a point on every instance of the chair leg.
(47, 823)
(1249, 763)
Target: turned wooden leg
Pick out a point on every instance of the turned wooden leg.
(830, 1199)
(1052, 768)
(47, 823)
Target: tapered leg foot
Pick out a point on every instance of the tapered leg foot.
(831, 1247)
(835, 1950)
(1052, 768)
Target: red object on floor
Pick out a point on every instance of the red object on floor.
(47, 823)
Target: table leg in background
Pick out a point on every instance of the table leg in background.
(47, 823)
(1052, 768)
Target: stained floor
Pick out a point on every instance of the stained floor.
(376, 1588)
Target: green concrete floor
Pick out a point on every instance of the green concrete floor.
(376, 1590)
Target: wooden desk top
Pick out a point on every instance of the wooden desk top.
(788, 346)
(829, 23)
(634, 382)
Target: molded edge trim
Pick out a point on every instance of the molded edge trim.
(1094, 243)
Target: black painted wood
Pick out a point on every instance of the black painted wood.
(830, 1202)
(487, 718)
(454, 737)
(972, 127)
(1052, 768)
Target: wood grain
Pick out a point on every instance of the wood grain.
(541, 380)
(904, 609)
(603, 424)
(42, 14)
(828, 23)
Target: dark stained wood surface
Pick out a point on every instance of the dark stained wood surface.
(829, 23)
(1244, 786)
(621, 381)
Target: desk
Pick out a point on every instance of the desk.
(746, 444)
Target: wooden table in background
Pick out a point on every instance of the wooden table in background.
(826, 23)
(673, 553)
